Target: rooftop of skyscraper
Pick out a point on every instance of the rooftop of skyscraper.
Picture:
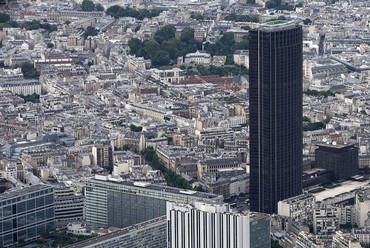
(278, 25)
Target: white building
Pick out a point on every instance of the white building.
(241, 57)
(345, 240)
(22, 87)
(305, 240)
(121, 166)
(197, 58)
(362, 208)
(169, 76)
(79, 229)
(214, 225)
(299, 208)
(362, 235)
(325, 221)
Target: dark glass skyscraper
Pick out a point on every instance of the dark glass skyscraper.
(275, 106)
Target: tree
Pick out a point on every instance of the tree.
(161, 58)
(4, 18)
(151, 47)
(88, 5)
(134, 128)
(165, 33)
(187, 35)
(99, 7)
(29, 72)
(172, 48)
(90, 31)
(251, 1)
(135, 45)
(197, 16)
(50, 45)
(307, 21)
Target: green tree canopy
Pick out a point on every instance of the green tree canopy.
(187, 35)
(87, 5)
(4, 18)
(117, 11)
(99, 7)
(165, 33)
(307, 21)
(29, 71)
(151, 47)
(91, 31)
(161, 58)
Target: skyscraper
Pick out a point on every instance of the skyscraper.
(275, 106)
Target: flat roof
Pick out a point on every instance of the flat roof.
(14, 193)
(345, 187)
(124, 231)
(278, 25)
(158, 188)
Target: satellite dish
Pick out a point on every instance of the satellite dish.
(324, 140)
(334, 143)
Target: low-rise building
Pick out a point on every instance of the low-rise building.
(345, 240)
(299, 208)
(325, 221)
(22, 87)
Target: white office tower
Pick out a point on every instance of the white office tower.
(203, 225)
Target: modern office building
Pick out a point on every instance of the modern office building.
(275, 106)
(26, 214)
(341, 159)
(214, 225)
(69, 207)
(151, 233)
(112, 202)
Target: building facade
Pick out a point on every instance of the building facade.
(275, 106)
(111, 202)
(214, 225)
(68, 207)
(103, 154)
(26, 214)
(299, 208)
(341, 159)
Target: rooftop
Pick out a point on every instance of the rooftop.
(15, 193)
(124, 231)
(277, 25)
(156, 187)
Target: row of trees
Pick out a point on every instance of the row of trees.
(117, 11)
(171, 177)
(280, 5)
(226, 45)
(222, 71)
(242, 18)
(164, 48)
(34, 98)
(319, 93)
(88, 5)
(29, 25)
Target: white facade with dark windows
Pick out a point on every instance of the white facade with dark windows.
(214, 225)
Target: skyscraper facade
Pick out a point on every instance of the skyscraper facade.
(215, 225)
(112, 202)
(275, 106)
